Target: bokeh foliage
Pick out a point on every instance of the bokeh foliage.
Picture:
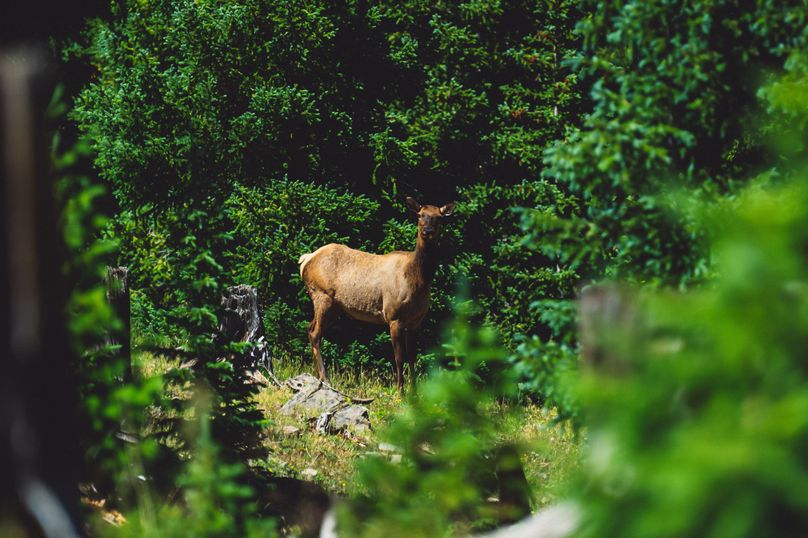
(453, 449)
(704, 432)
(697, 425)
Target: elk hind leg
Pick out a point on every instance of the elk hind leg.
(325, 312)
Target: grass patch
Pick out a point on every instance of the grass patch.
(332, 456)
(551, 451)
(550, 457)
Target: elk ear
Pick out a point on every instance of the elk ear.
(448, 209)
(412, 204)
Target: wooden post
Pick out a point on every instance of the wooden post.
(117, 284)
(38, 427)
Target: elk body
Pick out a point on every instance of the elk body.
(388, 289)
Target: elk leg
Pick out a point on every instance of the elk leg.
(411, 353)
(397, 337)
(324, 314)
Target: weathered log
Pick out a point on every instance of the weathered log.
(241, 317)
(117, 284)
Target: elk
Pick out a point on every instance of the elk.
(386, 289)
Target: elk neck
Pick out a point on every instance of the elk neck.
(425, 260)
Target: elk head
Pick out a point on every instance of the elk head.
(429, 217)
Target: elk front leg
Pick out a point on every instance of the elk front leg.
(410, 349)
(397, 337)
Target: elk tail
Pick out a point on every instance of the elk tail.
(303, 260)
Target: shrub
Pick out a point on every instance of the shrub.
(698, 427)
(453, 454)
(214, 498)
(674, 107)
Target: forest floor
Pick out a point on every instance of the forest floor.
(551, 451)
(295, 450)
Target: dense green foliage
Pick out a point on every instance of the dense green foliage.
(216, 501)
(656, 142)
(192, 97)
(675, 116)
(114, 402)
(674, 106)
(307, 123)
(108, 405)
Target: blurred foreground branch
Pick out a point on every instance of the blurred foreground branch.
(38, 467)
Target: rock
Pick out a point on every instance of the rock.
(301, 382)
(353, 418)
(291, 431)
(426, 448)
(312, 399)
(321, 426)
(558, 521)
(333, 412)
(309, 473)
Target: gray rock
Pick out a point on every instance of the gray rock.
(321, 426)
(387, 447)
(301, 382)
(333, 411)
(353, 418)
(309, 473)
(312, 399)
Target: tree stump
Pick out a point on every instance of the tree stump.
(241, 321)
(117, 284)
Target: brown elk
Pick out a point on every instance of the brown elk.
(387, 289)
